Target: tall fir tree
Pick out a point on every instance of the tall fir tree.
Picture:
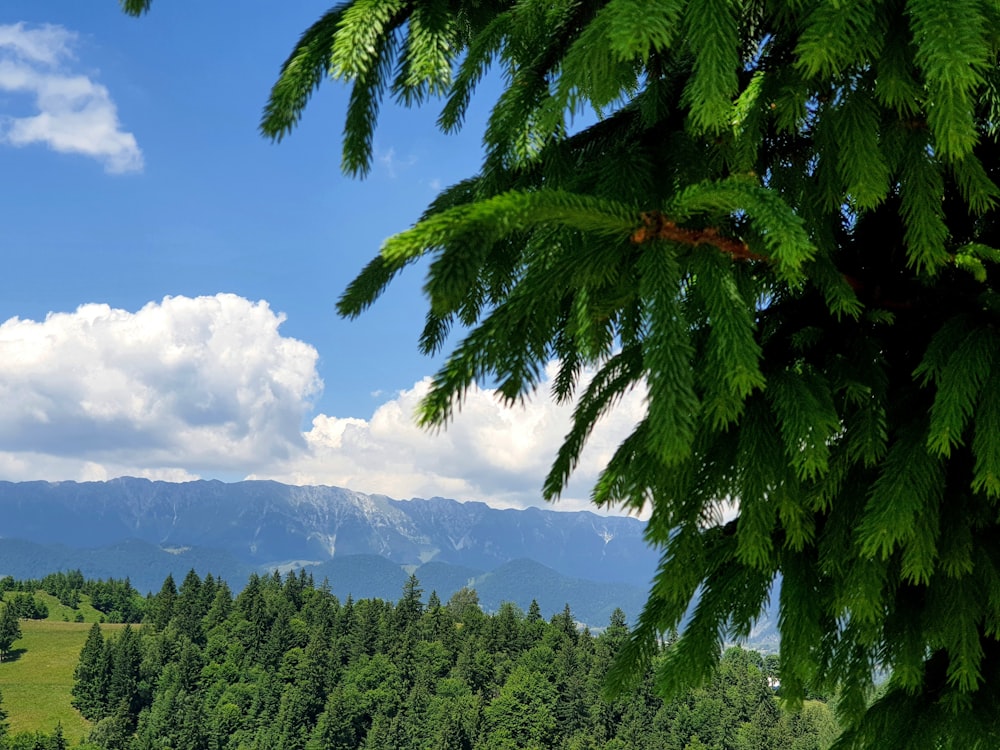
(410, 606)
(92, 676)
(124, 699)
(10, 629)
(783, 229)
(190, 607)
(161, 606)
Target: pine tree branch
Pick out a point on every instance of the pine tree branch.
(656, 226)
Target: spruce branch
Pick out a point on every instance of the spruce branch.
(656, 226)
(832, 361)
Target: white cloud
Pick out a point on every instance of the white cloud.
(45, 44)
(392, 163)
(208, 387)
(180, 388)
(489, 452)
(74, 114)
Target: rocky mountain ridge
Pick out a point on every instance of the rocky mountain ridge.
(365, 545)
(268, 524)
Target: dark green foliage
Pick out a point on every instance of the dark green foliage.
(37, 741)
(10, 629)
(92, 676)
(124, 698)
(66, 587)
(27, 607)
(783, 228)
(410, 607)
(160, 608)
(176, 716)
(116, 599)
(373, 674)
(113, 732)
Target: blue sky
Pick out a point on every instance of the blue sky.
(171, 275)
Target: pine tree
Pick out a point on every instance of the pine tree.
(189, 607)
(57, 740)
(522, 713)
(10, 629)
(92, 676)
(410, 606)
(783, 230)
(161, 606)
(123, 683)
(219, 608)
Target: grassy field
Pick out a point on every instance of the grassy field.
(36, 683)
(59, 611)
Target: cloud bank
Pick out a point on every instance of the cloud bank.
(73, 113)
(208, 387)
(489, 452)
(180, 388)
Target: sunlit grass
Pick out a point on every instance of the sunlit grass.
(59, 611)
(36, 682)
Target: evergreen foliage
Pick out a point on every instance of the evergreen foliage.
(27, 607)
(405, 676)
(10, 629)
(783, 228)
(92, 676)
(116, 599)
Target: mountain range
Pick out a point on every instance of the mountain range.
(365, 545)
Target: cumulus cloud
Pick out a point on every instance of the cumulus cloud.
(73, 113)
(208, 387)
(180, 388)
(490, 452)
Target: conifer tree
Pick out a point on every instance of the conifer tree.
(410, 606)
(123, 682)
(161, 607)
(190, 607)
(92, 676)
(10, 629)
(782, 228)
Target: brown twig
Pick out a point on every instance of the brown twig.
(656, 226)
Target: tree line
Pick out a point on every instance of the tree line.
(116, 599)
(285, 664)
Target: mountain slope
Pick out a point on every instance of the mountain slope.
(366, 545)
(267, 524)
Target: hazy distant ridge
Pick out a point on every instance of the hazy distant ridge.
(267, 523)
(366, 545)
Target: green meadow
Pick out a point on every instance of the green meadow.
(59, 611)
(37, 678)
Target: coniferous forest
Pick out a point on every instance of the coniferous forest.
(286, 665)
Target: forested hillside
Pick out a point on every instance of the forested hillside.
(286, 665)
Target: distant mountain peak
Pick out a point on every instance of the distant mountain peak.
(262, 522)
